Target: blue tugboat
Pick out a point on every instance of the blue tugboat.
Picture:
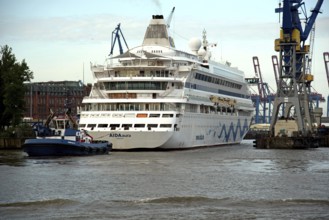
(63, 140)
(63, 147)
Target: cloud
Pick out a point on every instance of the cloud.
(321, 27)
(158, 4)
(88, 28)
(70, 29)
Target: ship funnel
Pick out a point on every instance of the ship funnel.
(157, 33)
(157, 16)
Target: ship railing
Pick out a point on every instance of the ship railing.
(176, 96)
(90, 97)
(119, 77)
(111, 66)
(129, 107)
(153, 63)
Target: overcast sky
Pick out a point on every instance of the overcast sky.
(58, 39)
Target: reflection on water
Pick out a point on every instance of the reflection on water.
(12, 157)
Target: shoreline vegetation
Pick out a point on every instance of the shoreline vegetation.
(14, 137)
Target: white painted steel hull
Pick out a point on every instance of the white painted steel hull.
(195, 131)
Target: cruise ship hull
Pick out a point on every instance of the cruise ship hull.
(195, 131)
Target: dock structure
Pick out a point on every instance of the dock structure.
(262, 95)
(297, 142)
(297, 125)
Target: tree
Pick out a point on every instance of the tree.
(12, 90)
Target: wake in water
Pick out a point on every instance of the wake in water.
(229, 201)
(40, 203)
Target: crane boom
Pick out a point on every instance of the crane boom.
(276, 68)
(326, 64)
(310, 22)
(170, 17)
(258, 74)
(116, 36)
(309, 57)
(291, 18)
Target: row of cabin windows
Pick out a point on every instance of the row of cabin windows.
(125, 126)
(138, 115)
(129, 106)
(148, 107)
(143, 73)
(156, 51)
(135, 85)
(217, 81)
(152, 51)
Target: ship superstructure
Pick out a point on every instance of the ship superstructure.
(155, 96)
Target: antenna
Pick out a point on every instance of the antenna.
(171, 40)
(170, 17)
(279, 12)
(83, 73)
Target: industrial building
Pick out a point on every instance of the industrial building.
(56, 95)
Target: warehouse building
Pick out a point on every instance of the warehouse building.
(56, 95)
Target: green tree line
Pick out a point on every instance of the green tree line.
(13, 74)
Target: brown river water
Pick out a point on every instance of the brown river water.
(230, 182)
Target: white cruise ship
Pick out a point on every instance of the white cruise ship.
(155, 96)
